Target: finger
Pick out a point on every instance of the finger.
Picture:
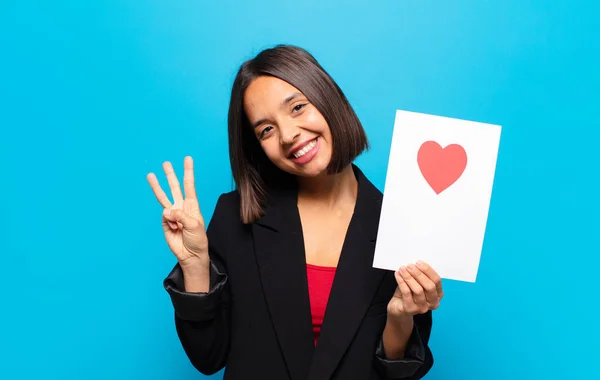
(418, 294)
(405, 292)
(188, 178)
(395, 306)
(433, 276)
(158, 191)
(178, 216)
(173, 182)
(428, 286)
(168, 225)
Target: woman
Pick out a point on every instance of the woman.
(281, 284)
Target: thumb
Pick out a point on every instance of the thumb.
(178, 216)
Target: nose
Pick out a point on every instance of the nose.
(288, 134)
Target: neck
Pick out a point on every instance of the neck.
(329, 189)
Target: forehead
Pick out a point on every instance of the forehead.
(265, 94)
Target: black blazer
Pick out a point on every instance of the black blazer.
(256, 319)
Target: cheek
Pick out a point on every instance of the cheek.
(316, 122)
(271, 150)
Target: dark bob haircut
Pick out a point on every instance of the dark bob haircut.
(254, 174)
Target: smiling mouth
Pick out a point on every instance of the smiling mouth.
(307, 148)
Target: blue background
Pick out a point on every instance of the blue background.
(94, 95)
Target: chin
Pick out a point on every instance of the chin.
(312, 170)
(310, 174)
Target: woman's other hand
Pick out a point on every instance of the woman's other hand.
(419, 290)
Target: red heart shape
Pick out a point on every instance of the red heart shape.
(441, 167)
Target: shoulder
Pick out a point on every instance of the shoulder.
(228, 206)
(366, 186)
(229, 199)
(225, 224)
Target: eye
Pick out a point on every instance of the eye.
(298, 107)
(264, 131)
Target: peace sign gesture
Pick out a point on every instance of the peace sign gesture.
(182, 221)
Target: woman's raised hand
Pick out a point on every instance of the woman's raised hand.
(181, 220)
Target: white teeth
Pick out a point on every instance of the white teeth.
(306, 149)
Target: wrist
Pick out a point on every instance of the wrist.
(396, 335)
(402, 323)
(196, 275)
(195, 267)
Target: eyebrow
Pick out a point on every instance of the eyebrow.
(283, 103)
(290, 98)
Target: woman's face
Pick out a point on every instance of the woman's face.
(292, 132)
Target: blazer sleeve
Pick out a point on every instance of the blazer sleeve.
(202, 319)
(417, 360)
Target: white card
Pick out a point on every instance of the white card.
(437, 194)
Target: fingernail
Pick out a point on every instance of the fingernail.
(402, 269)
(420, 263)
(411, 267)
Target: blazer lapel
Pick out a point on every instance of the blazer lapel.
(355, 282)
(279, 250)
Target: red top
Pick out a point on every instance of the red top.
(320, 280)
